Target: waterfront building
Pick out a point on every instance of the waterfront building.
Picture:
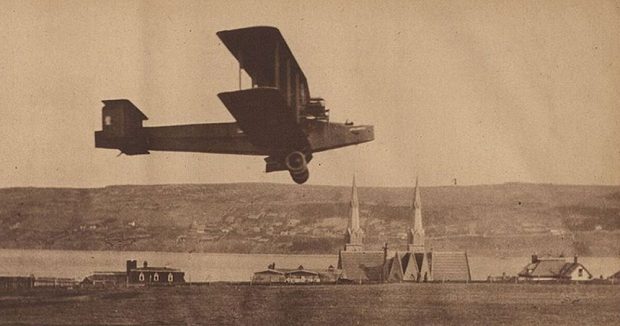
(268, 276)
(299, 275)
(554, 269)
(147, 275)
(134, 275)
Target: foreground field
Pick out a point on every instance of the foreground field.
(385, 304)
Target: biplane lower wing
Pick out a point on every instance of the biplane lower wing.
(326, 136)
(264, 116)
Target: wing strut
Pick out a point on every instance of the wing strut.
(240, 67)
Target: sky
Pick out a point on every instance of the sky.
(483, 92)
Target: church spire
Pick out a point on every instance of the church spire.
(415, 241)
(354, 234)
(354, 221)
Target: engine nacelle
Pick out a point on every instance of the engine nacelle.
(298, 166)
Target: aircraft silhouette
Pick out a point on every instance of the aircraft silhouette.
(276, 117)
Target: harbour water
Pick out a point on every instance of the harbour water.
(211, 267)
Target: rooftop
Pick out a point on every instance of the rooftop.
(361, 265)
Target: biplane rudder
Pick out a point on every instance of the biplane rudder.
(121, 127)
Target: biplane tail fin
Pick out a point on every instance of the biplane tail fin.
(122, 128)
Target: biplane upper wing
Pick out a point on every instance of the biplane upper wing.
(262, 52)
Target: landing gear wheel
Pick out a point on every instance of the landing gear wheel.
(301, 177)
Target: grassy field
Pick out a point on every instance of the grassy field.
(382, 304)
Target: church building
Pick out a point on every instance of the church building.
(416, 264)
(417, 260)
(358, 265)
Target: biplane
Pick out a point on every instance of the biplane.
(276, 117)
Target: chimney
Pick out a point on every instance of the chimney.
(131, 264)
(383, 272)
(145, 264)
(575, 259)
(385, 248)
(534, 258)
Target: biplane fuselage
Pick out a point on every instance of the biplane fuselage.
(276, 118)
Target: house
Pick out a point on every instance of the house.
(197, 227)
(293, 222)
(554, 269)
(211, 228)
(268, 276)
(301, 275)
(133, 275)
(146, 275)
(209, 238)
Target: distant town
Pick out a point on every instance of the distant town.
(496, 220)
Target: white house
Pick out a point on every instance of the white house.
(554, 269)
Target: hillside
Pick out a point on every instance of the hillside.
(506, 220)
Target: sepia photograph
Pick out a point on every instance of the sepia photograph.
(324, 162)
